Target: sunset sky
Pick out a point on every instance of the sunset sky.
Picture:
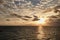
(23, 12)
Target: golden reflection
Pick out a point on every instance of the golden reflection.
(41, 31)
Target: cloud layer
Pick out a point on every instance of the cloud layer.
(29, 10)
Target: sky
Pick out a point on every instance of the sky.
(30, 10)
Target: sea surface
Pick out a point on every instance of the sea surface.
(29, 33)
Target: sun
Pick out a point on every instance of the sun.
(42, 20)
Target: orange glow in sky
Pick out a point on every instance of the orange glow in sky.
(42, 20)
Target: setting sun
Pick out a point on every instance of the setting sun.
(42, 20)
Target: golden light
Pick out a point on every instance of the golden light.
(42, 20)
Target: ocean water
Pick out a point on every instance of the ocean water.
(29, 33)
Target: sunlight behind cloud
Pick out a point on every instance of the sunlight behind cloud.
(42, 21)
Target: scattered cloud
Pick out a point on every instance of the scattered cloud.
(30, 9)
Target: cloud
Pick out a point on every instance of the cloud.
(52, 17)
(11, 6)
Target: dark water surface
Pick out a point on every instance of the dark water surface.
(29, 33)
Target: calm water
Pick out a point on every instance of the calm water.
(29, 33)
